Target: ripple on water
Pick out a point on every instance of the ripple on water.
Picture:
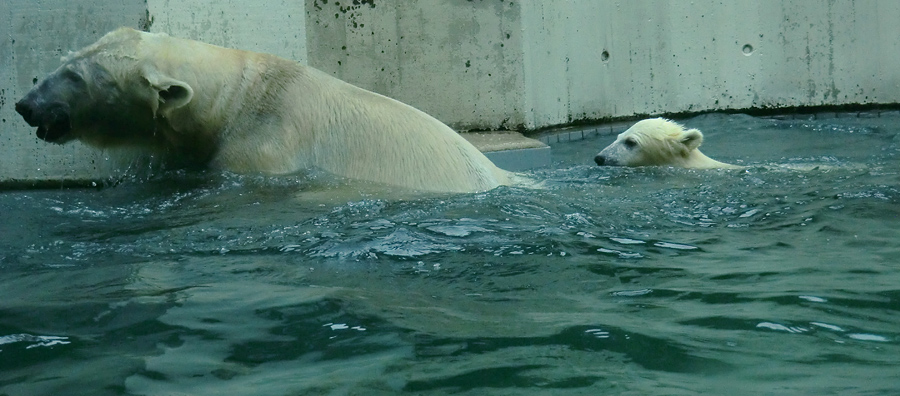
(771, 275)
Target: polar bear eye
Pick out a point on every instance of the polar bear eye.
(630, 143)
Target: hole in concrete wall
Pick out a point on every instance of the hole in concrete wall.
(604, 56)
(748, 49)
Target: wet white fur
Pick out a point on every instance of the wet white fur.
(260, 113)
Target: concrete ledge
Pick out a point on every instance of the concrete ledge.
(501, 140)
(571, 134)
(511, 150)
(521, 159)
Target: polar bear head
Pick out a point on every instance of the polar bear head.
(103, 95)
(657, 142)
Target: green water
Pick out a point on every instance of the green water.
(783, 278)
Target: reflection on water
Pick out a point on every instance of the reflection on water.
(780, 278)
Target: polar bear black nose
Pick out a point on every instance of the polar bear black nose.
(600, 160)
(26, 112)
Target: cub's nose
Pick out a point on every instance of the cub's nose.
(600, 160)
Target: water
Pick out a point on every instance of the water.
(783, 278)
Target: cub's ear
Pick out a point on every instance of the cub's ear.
(691, 139)
(166, 93)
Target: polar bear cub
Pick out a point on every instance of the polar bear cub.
(658, 142)
(246, 112)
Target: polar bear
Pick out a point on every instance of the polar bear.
(658, 141)
(246, 112)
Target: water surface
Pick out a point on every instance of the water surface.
(781, 278)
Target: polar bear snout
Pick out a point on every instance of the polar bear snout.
(26, 110)
(52, 120)
(605, 160)
(610, 156)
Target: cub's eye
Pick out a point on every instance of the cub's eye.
(630, 143)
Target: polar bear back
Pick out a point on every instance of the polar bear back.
(391, 142)
(316, 120)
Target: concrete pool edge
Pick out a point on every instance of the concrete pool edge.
(511, 150)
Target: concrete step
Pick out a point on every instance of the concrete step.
(510, 150)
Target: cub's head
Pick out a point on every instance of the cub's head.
(103, 94)
(655, 141)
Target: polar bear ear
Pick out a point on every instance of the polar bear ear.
(691, 139)
(167, 93)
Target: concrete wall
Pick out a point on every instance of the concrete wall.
(600, 59)
(460, 61)
(273, 26)
(487, 64)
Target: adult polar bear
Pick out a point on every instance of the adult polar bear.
(247, 112)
